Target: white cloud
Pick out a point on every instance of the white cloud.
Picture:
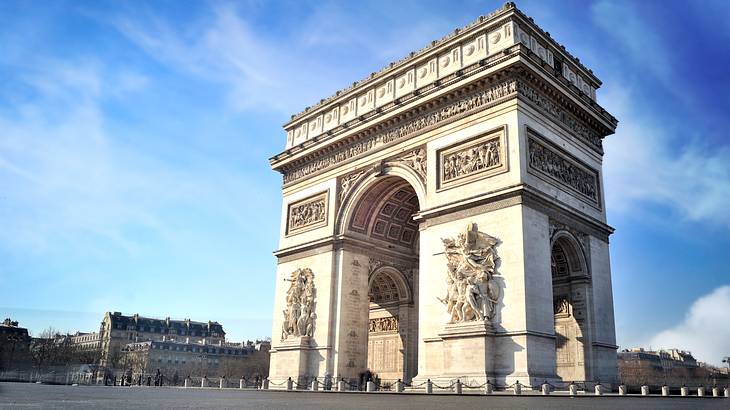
(655, 163)
(67, 177)
(704, 330)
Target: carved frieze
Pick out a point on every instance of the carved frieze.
(473, 159)
(465, 105)
(299, 315)
(561, 115)
(557, 166)
(472, 293)
(420, 123)
(383, 325)
(309, 213)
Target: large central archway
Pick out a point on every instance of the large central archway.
(382, 216)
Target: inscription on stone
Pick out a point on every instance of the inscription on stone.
(307, 214)
(561, 168)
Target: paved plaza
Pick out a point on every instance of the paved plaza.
(33, 396)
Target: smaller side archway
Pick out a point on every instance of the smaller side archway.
(390, 316)
(571, 293)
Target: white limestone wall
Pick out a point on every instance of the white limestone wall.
(603, 316)
(287, 241)
(471, 128)
(351, 314)
(505, 225)
(557, 135)
(286, 364)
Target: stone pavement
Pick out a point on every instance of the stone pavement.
(36, 396)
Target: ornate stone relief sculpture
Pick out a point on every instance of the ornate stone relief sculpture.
(472, 293)
(347, 182)
(566, 171)
(308, 213)
(299, 314)
(416, 160)
(562, 306)
(472, 159)
(384, 324)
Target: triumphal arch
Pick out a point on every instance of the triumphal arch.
(444, 218)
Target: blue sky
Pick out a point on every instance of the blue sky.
(135, 137)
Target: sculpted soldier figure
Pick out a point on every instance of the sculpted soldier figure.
(300, 298)
(471, 292)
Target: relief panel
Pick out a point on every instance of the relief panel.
(309, 213)
(550, 163)
(473, 159)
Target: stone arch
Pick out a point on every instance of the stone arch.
(571, 306)
(367, 181)
(394, 280)
(573, 250)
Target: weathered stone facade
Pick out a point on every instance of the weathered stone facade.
(459, 229)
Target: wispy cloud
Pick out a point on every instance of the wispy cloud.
(703, 331)
(651, 163)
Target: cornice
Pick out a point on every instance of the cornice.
(475, 28)
(514, 80)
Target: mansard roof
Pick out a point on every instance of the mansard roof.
(167, 323)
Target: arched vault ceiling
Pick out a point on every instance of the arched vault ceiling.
(386, 212)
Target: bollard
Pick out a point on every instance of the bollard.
(458, 386)
(289, 384)
(572, 389)
(315, 384)
(370, 386)
(204, 381)
(684, 391)
(598, 389)
(545, 389)
(488, 388)
(665, 390)
(242, 383)
(644, 390)
(700, 391)
(187, 382)
(429, 386)
(518, 388)
(715, 392)
(341, 385)
(727, 391)
(222, 383)
(266, 384)
(399, 386)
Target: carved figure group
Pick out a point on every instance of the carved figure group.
(554, 165)
(300, 299)
(384, 324)
(471, 292)
(470, 160)
(416, 160)
(307, 213)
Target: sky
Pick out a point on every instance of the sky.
(135, 137)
